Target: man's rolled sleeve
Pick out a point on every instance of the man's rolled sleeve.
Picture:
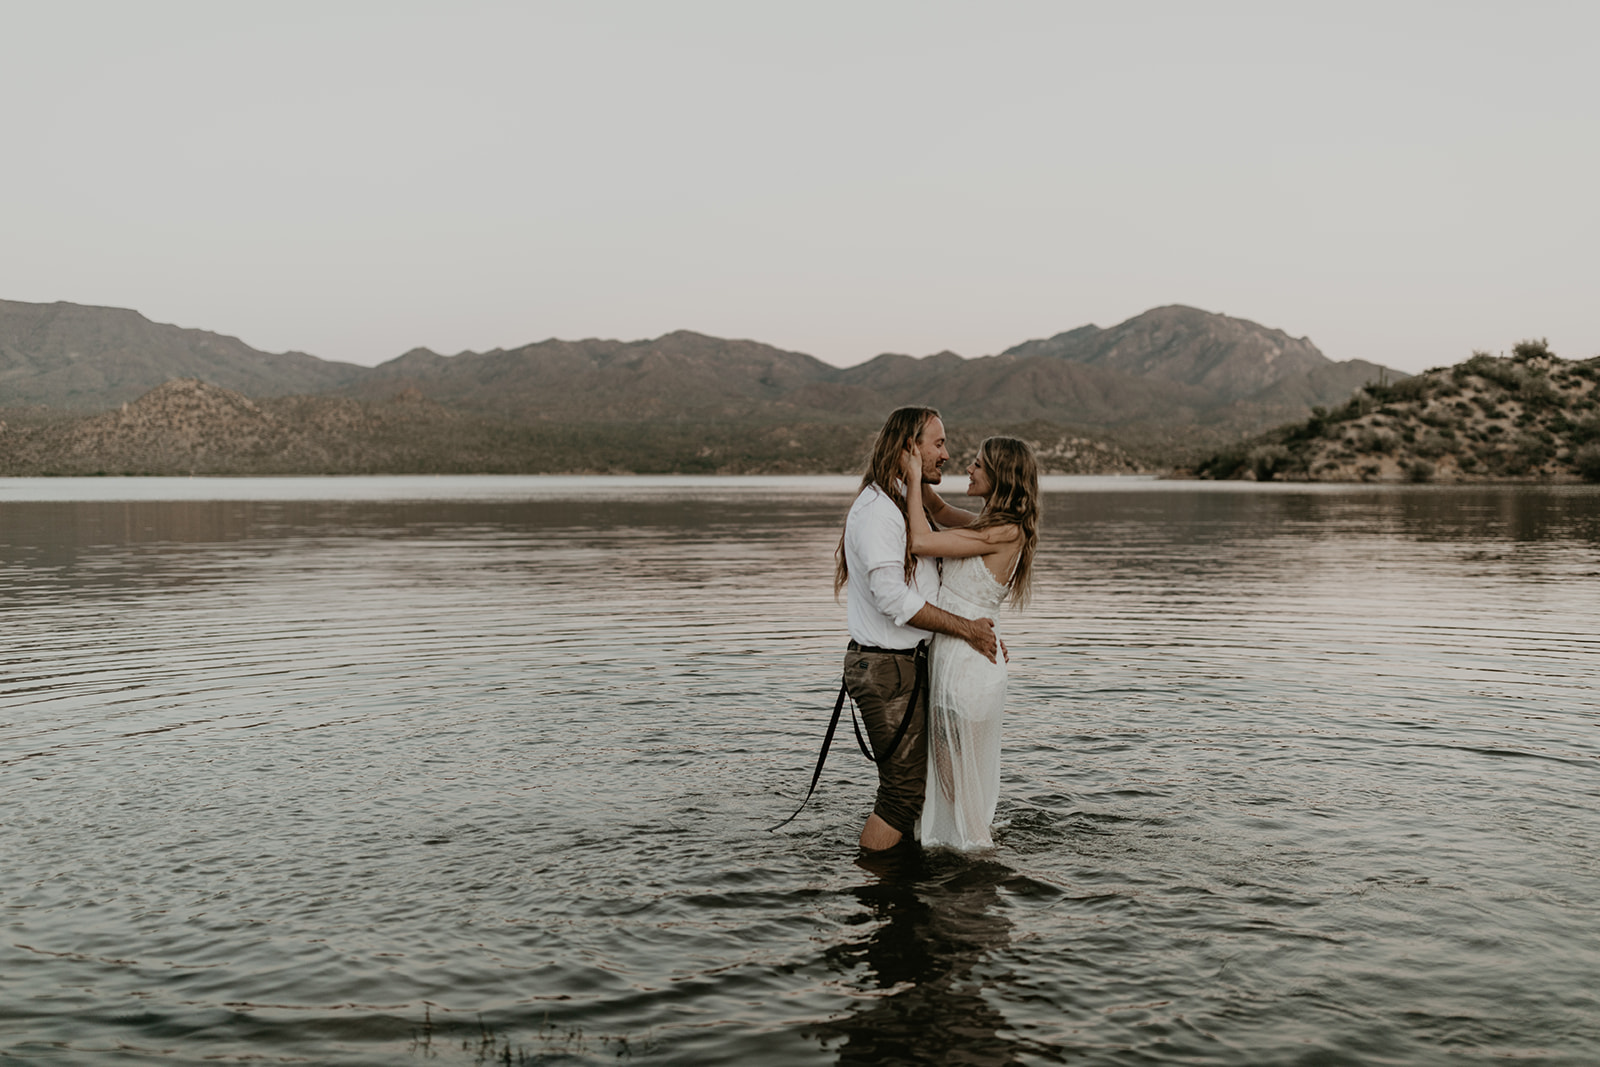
(891, 595)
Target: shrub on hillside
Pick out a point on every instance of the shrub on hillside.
(1269, 461)
(1353, 408)
(1320, 424)
(1490, 409)
(1584, 431)
(1529, 453)
(1375, 441)
(1431, 445)
(1403, 391)
(1538, 392)
(1501, 372)
(1587, 462)
(1223, 465)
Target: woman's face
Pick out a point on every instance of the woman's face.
(978, 483)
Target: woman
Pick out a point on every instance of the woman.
(985, 563)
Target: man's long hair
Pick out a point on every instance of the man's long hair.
(1014, 501)
(901, 429)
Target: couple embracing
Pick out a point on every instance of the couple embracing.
(923, 579)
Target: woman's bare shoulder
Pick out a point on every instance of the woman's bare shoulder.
(1003, 534)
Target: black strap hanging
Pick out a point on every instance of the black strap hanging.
(822, 757)
(919, 666)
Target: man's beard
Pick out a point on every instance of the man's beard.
(933, 477)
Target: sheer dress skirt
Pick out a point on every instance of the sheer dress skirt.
(964, 726)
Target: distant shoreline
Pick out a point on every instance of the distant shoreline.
(512, 489)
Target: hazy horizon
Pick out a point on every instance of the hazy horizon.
(1401, 183)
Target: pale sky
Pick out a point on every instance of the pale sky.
(1402, 182)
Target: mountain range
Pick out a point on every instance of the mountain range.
(1168, 360)
(1171, 364)
(1174, 374)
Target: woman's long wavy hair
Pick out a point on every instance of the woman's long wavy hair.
(903, 427)
(1013, 501)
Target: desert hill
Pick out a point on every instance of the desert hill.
(1232, 359)
(681, 374)
(91, 358)
(1531, 417)
(187, 426)
(1009, 387)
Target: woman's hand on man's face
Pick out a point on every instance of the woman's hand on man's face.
(911, 465)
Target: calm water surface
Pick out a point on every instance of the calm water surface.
(390, 771)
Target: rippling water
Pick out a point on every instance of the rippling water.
(377, 771)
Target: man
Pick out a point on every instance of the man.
(889, 605)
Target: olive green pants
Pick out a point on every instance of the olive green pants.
(881, 683)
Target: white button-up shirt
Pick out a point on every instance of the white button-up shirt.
(878, 600)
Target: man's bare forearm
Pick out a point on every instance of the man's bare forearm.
(979, 633)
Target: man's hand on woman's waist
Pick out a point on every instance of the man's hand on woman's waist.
(979, 633)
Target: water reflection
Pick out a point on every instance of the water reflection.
(1508, 513)
(281, 775)
(937, 925)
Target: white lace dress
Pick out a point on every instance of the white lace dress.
(968, 694)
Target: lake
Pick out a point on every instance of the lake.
(480, 770)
